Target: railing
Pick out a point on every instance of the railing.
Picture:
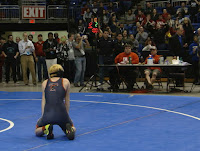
(178, 2)
(159, 3)
(57, 12)
(34, 2)
(9, 12)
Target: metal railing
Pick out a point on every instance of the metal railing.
(9, 12)
(57, 12)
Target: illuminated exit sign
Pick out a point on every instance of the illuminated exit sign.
(33, 12)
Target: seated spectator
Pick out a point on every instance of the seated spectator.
(171, 24)
(121, 28)
(141, 36)
(193, 10)
(155, 71)
(110, 7)
(129, 75)
(140, 17)
(170, 9)
(194, 52)
(95, 9)
(113, 24)
(148, 45)
(160, 22)
(81, 27)
(129, 17)
(139, 8)
(125, 36)
(83, 9)
(134, 43)
(87, 16)
(198, 34)
(105, 18)
(100, 10)
(154, 15)
(183, 9)
(165, 14)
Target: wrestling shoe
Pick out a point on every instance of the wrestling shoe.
(70, 131)
(49, 131)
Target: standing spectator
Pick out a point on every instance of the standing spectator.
(56, 37)
(141, 36)
(26, 49)
(194, 52)
(50, 47)
(30, 37)
(189, 31)
(71, 58)
(41, 63)
(177, 44)
(105, 48)
(80, 60)
(119, 45)
(149, 9)
(18, 64)
(2, 58)
(10, 52)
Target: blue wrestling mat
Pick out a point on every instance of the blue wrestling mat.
(104, 122)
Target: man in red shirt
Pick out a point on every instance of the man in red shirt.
(155, 71)
(41, 59)
(126, 74)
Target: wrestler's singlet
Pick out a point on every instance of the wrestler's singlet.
(55, 110)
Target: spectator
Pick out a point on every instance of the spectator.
(94, 9)
(125, 36)
(165, 14)
(149, 45)
(170, 9)
(105, 18)
(183, 9)
(71, 58)
(26, 49)
(83, 9)
(154, 15)
(30, 37)
(113, 23)
(18, 64)
(110, 7)
(100, 10)
(193, 10)
(194, 52)
(80, 60)
(10, 52)
(41, 63)
(178, 45)
(87, 16)
(49, 47)
(119, 45)
(160, 22)
(149, 24)
(134, 43)
(159, 36)
(105, 48)
(141, 36)
(81, 27)
(2, 58)
(198, 34)
(155, 71)
(189, 31)
(129, 75)
(56, 37)
(121, 28)
(149, 9)
(139, 8)
(129, 17)
(171, 24)
(140, 17)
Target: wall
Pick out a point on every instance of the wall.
(44, 33)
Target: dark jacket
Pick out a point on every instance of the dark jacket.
(176, 48)
(47, 45)
(105, 46)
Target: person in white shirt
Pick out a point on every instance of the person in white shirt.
(26, 49)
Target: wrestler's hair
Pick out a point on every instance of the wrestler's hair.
(56, 70)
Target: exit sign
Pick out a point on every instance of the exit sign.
(33, 12)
